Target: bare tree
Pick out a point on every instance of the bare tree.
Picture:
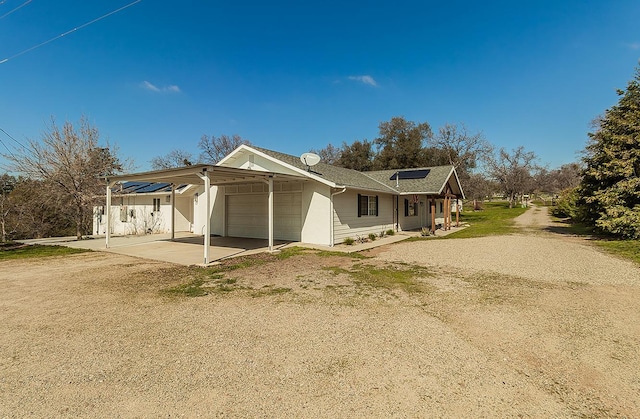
(479, 187)
(513, 171)
(71, 164)
(7, 185)
(174, 158)
(462, 148)
(568, 176)
(330, 154)
(215, 148)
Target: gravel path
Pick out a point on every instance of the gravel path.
(532, 324)
(533, 254)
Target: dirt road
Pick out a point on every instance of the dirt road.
(532, 324)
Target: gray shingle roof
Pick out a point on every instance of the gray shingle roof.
(338, 175)
(371, 181)
(431, 184)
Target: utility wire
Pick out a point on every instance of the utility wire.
(70, 31)
(5, 146)
(17, 8)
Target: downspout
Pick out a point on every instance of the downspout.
(331, 227)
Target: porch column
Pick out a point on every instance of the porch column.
(173, 211)
(207, 219)
(433, 215)
(271, 213)
(107, 213)
(457, 213)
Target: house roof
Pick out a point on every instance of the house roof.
(424, 180)
(339, 176)
(192, 175)
(427, 180)
(432, 182)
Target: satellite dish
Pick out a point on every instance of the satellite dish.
(310, 159)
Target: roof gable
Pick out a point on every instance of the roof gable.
(419, 180)
(325, 173)
(427, 180)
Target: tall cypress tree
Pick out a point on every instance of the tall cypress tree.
(610, 189)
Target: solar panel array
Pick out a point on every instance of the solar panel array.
(144, 187)
(410, 174)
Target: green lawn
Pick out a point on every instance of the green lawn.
(495, 219)
(15, 251)
(629, 249)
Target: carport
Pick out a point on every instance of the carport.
(206, 175)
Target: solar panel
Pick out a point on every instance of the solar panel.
(128, 187)
(410, 174)
(153, 187)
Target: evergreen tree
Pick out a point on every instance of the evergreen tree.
(610, 189)
(401, 144)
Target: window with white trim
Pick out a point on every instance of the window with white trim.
(156, 204)
(410, 208)
(367, 205)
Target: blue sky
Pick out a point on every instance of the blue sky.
(295, 76)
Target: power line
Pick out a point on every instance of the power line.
(5, 146)
(10, 136)
(70, 31)
(17, 8)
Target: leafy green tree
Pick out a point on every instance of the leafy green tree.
(357, 156)
(401, 144)
(610, 188)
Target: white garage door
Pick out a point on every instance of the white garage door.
(248, 216)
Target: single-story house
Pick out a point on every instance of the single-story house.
(258, 193)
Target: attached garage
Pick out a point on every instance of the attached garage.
(247, 215)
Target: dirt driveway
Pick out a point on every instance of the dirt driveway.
(532, 324)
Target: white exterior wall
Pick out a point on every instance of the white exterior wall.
(140, 217)
(348, 224)
(216, 213)
(144, 219)
(184, 212)
(316, 214)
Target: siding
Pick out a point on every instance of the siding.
(347, 223)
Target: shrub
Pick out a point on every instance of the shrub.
(390, 232)
(348, 241)
(382, 234)
(372, 236)
(566, 204)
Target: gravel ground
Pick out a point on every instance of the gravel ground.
(532, 324)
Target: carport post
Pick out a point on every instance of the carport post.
(173, 211)
(207, 219)
(107, 213)
(271, 213)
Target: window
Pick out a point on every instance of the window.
(124, 214)
(156, 204)
(441, 207)
(367, 205)
(410, 208)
